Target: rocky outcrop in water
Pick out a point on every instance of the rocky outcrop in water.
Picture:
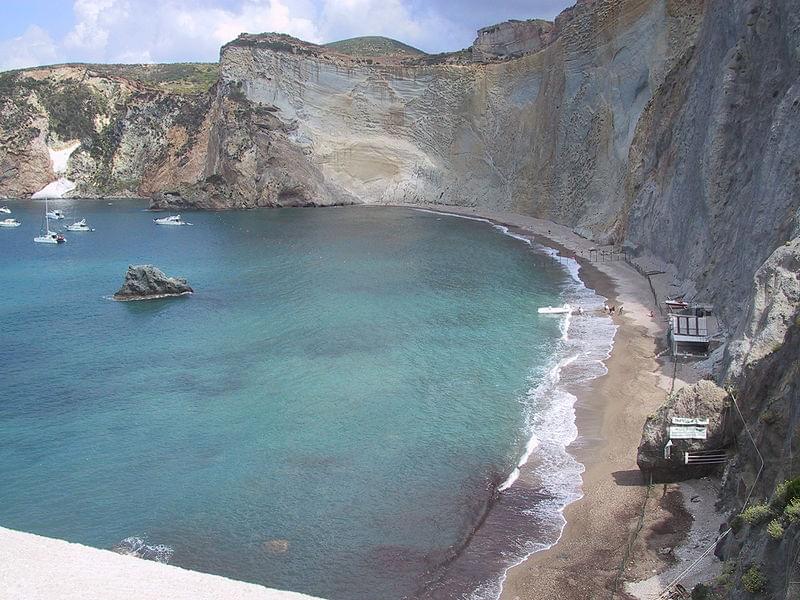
(146, 282)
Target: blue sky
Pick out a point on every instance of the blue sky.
(34, 32)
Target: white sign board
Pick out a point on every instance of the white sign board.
(687, 432)
(688, 421)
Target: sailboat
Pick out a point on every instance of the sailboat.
(49, 237)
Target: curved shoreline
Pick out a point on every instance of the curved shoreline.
(610, 411)
(553, 420)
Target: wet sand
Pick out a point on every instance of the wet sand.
(601, 534)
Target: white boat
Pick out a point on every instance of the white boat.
(10, 223)
(555, 310)
(48, 237)
(5, 210)
(171, 220)
(55, 214)
(79, 226)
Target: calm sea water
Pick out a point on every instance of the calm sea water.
(330, 412)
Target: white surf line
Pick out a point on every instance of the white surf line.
(571, 265)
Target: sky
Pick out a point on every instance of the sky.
(37, 32)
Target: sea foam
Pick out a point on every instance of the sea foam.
(585, 344)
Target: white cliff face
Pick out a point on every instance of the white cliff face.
(58, 160)
(545, 134)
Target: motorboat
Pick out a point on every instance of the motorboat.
(171, 220)
(555, 310)
(10, 223)
(49, 237)
(79, 226)
(55, 214)
(5, 210)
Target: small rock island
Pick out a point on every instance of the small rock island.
(146, 282)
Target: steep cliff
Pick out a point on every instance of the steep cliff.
(546, 133)
(138, 129)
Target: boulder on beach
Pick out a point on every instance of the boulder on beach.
(146, 282)
(703, 400)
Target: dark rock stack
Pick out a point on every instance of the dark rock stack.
(146, 282)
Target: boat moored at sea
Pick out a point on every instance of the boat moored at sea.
(10, 223)
(170, 220)
(50, 237)
(555, 310)
(55, 214)
(47, 236)
(79, 226)
(5, 210)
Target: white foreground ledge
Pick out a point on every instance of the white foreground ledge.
(33, 567)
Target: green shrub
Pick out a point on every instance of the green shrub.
(701, 592)
(775, 529)
(786, 492)
(725, 577)
(736, 523)
(753, 580)
(792, 510)
(756, 514)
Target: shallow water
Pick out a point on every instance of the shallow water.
(330, 412)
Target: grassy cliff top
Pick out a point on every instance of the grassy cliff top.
(179, 78)
(176, 78)
(374, 46)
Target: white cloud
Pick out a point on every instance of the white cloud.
(34, 47)
(194, 30)
(93, 22)
(174, 30)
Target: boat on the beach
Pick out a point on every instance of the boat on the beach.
(55, 214)
(48, 237)
(79, 226)
(170, 220)
(10, 223)
(555, 310)
(5, 210)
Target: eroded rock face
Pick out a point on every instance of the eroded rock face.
(701, 400)
(512, 38)
(547, 133)
(132, 138)
(713, 182)
(146, 282)
(775, 302)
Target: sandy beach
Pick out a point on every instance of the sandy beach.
(609, 537)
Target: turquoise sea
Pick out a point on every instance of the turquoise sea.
(331, 412)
